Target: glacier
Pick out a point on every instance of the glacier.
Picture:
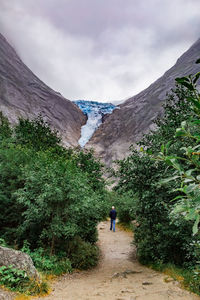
(95, 112)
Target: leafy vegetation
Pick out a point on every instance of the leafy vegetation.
(52, 198)
(17, 280)
(161, 183)
(13, 277)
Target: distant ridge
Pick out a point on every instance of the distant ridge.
(135, 117)
(22, 94)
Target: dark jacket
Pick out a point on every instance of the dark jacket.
(113, 214)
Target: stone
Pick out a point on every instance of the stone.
(125, 273)
(100, 294)
(168, 279)
(127, 291)
(116, 275)
(18, 260)
(147, 283)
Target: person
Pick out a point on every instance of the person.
(113, 215)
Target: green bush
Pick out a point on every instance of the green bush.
(124, 204)
(36, 134)
(49, 196)
(46, 190)
(158, 236)
(43, 261)
(83, 255)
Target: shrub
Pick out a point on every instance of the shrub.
(43, 261)
(159, 236)
(83, 255)
(36, 134)
(125, 206)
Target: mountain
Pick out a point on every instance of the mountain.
(126, 125)
(22, 94)
(95, 112)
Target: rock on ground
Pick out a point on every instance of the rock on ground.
(19, 260)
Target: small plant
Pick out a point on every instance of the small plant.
(194, 283)
(13, 278)
(18, 281)
(3, 243)
(43, 261)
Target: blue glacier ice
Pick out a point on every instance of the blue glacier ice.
(95, 112)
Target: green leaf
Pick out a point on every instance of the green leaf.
(182, 79)
(189, 172)
(188, 180)
(196, 77)
(183, 124)
(191, 215)
(195, 226)
(180, 132)
(169, 179)
(195, 102)
(178, 197)
(168, 145)
(162, 148)
(197, 61)
(196, 136)
(195, 122)
(187, 85)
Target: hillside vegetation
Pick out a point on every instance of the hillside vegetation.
(52, 198)
(159, 186)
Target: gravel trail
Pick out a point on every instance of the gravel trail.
(118, 276)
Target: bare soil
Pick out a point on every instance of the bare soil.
(118, 276)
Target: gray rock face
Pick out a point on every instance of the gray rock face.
(126, 125)
(19, 260)
(22, 94)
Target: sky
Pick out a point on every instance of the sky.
(105, 50)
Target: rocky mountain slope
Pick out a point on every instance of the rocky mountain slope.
(22, 94)
(126, 125)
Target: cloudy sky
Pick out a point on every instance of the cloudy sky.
(103, 50)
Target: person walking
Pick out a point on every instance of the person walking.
(113, 215)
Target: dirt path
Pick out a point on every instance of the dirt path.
(118, 277)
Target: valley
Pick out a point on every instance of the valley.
(55, 197)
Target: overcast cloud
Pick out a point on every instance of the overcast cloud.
(100, 49)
